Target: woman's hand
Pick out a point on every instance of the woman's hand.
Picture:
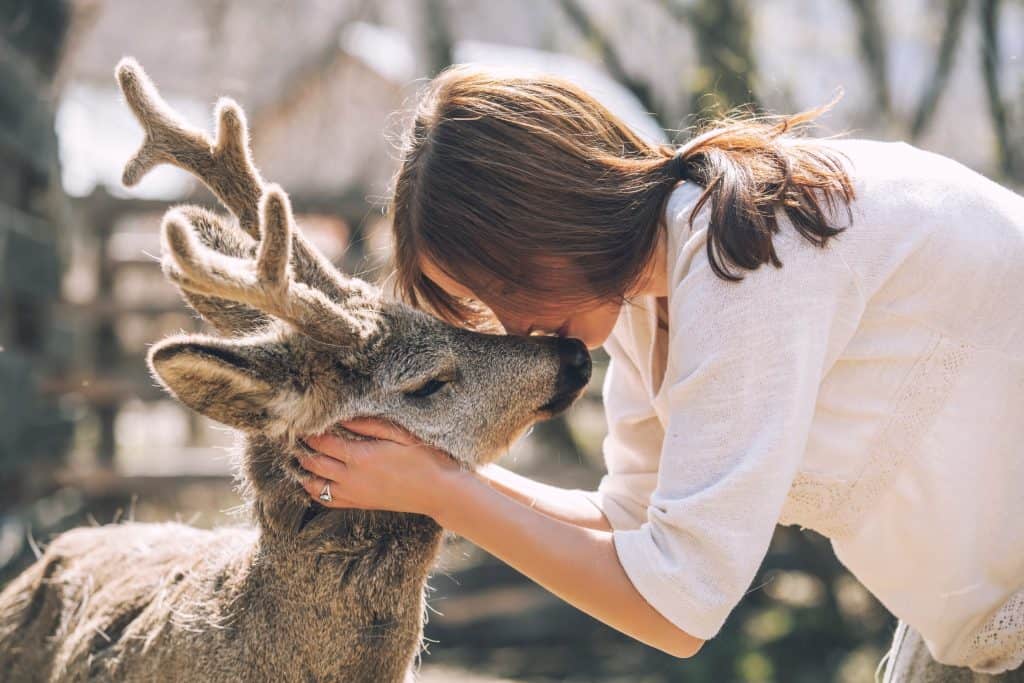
(393, 472)
(576, 563)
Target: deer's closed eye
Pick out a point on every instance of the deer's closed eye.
(430, 387)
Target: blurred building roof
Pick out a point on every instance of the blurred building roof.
(322, 80)
(323, 87)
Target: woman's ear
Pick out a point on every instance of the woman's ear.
(234, 382)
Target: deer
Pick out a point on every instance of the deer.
(301, 592)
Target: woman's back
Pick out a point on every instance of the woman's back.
(937, 254)
(937, 236)
(933, 522)
(874, 387)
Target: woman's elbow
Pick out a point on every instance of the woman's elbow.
(684, 647)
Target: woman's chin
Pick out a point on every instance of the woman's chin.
(595, 341)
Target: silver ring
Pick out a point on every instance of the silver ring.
(325, 495)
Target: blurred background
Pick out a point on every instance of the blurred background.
(86, 437)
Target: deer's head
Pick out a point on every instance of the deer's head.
(305, 347)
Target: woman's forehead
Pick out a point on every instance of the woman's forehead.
(444, 281)
(510, 302)
(508, 307)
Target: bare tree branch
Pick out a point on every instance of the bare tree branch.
(727, 65)
(873, 50)
(952, 29)
(440, 44)
(610, 57)
(989, 14)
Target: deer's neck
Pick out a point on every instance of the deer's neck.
(348, 584)
(356, 546)
(331, 614)
(286, 515)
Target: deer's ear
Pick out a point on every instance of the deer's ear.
(230, 381)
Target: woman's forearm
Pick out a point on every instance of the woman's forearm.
(567, 505)
(576, 563)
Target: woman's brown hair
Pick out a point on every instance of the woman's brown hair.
(530, 185)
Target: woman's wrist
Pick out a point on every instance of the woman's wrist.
(567, 505)
(455, 485)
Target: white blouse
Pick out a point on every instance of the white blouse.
(872, 391)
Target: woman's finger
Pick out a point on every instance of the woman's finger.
(379, 429)
(315, 487)
(323, 466)
(329, 444)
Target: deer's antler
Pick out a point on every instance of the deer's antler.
(209, 259)
(265, 284)
(225, 166)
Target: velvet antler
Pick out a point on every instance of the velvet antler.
(266, 284)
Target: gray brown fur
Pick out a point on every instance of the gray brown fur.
(307, 593)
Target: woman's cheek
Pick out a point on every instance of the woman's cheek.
(595, 326)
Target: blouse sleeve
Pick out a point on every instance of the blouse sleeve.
(744, 365)
(631, 446)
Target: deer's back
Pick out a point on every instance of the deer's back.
(101, 596)
(168, 602)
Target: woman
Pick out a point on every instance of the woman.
(820, 332)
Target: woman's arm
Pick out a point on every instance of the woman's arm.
(576, 563)
(566, 505)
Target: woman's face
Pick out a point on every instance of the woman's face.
(592, 325)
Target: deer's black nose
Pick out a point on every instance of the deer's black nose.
(575, 361)
(573, 373)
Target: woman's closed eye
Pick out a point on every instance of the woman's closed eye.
(540, 329)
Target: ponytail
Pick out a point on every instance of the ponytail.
(749, 168)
